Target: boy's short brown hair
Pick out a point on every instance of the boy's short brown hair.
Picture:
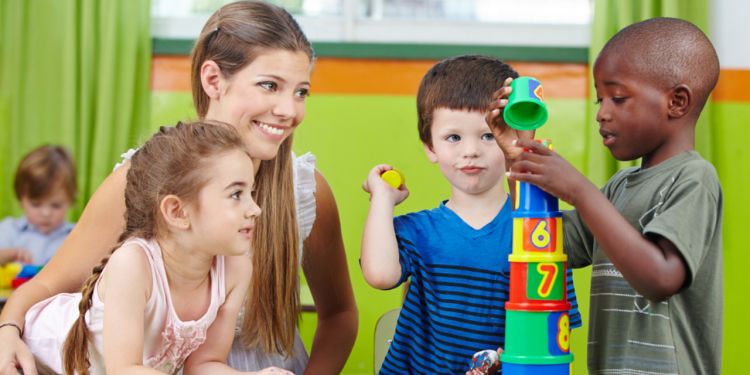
(44, 169)
(464, 82)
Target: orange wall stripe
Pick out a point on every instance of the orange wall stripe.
(384, 77)
(170, 73)
(733, 86)
(364, 76)
(401, 77)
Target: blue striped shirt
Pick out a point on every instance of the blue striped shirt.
(459, 283)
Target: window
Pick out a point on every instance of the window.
(554, 23)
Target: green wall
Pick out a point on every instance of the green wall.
(733, 164)
(349, 134)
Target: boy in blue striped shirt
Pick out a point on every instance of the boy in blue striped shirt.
(455, 255)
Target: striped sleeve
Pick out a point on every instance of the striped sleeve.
(575, 315)
(406, 247)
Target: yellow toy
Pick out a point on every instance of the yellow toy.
(8, 272)
(393, 178)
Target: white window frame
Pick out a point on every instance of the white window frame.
(349, 28)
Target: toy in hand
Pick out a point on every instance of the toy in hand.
(525, 109)
(393, 178)
(485, 362)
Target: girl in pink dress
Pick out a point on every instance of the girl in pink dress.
(169, 294)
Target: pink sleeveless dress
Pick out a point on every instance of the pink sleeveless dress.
(168, 341)
(255, 358)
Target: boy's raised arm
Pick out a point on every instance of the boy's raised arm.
(379, 258)
(652, 266)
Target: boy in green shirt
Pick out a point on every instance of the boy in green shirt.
(653, 233)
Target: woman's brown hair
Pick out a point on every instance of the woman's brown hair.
(232, 38)
(172, 162)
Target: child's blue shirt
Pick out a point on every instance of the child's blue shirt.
(19, 233)
(455, 305)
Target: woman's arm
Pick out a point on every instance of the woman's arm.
(325, 267)
(92, 237)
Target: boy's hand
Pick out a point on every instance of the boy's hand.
(376, 186)
(504, 134)
(15, 254)
(546, 169)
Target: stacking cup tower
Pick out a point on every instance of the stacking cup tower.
(537, 333)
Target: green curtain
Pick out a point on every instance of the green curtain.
(75, 73)
(609, 17)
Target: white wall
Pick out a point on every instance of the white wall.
(730, 32)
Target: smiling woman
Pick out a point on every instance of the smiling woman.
(266, 100)
(251, 69)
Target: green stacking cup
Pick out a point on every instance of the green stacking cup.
(525, 109)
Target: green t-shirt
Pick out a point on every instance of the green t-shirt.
(681, 200)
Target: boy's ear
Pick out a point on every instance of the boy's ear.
(680, 101)
(430, 154)
(211, 78)
(173, 211)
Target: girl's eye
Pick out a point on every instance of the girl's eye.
(453, 138)
(302, 93)
(268, 85)
(488, 137)
(598, 101)
(619, 99)
(236, 195)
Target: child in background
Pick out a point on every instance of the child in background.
(653, 233)
(45, 186)
(170, 293)
(456, 255)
